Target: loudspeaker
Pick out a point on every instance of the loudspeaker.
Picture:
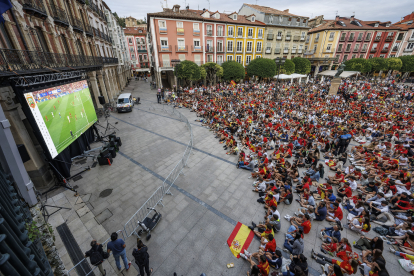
(104, 152)
(118, 139)
(101, 99)
(23, 153)
(112, 151)
(105, 160)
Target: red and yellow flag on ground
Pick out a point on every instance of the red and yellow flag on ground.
(240, 239)
(232, 82)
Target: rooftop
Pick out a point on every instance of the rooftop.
(135, 31)
(269, 10)
(352, 23)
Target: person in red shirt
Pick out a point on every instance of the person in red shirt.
(306, 225)
(345, 191)
(337, 214)
(347, 267)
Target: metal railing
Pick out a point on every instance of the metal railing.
(156, 198)
(85, 260)
(59, 15)
(20, 60)
(36, 6)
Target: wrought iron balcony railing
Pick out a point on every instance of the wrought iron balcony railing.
(35, 7)
(59, 15)
(88, 30)
(28, 62)
(76, 24)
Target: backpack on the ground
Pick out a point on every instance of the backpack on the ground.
(96, 257)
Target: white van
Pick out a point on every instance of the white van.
(125, 102)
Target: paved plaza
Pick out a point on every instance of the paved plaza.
(208, 199)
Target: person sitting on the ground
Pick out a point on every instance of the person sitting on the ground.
(294, 246)
(307, 199)
(335, 214)
(304, 224)
(345, 190)
(336, 179)
(273, 220)
(328, 233)
(348, 267)
(321, 211)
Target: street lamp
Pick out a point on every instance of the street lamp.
(279, 62)
(174, 63)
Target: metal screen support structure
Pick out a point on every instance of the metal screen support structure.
(12, 162)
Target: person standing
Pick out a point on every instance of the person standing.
(117, 246)
(141, 257)
(162, 94)
(96, 256)
(159, 97)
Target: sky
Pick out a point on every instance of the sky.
(367, 10)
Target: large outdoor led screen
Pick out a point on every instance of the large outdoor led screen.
(62, 113)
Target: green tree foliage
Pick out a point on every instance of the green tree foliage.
(358, 64)
(407, 64)
(212, 70)
(378, 64)
(187, 71)
(261, 67)
(233, 70)
(302, 65)
(120, 20)
(288, 68)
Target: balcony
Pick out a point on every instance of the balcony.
(327, 51)
(308, 53)
(180, 31)
(219, 33)
(20, 62)
(377, 38)
(363, 50)
(239, 34)
(287, 38)
(144, 65)
(35, 8)
(209, 49)
(268, 51)
(389, 38)
(270, 36)
(395, 48)
(342, 38)
(296, 37)
(181, 49)
(351, 38)
(373, 50)
(196, 49)
(406, 50)
(286, 51)
(293, 51)
(59, 15)
(368, 38)
(88, 30)
(330, 39)
(165, 64)
(195, 32)
(302, 38)
(279, 37)
(300, 51)
(277, 50)
(411, 38)
(356, 50)
(385, 50)
(209, 33)
(220, 49)
(77, 24)
(165, 48)
(230, 49)
(142, 51)
(347, 50)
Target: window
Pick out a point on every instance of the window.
(219, 30)
(351, 37)
(181, 44)
(260, 33)
(196, 44)
(239, 59)
(209, 46)
(219, 46)
(348, 47)
(166, 60)
(329, 47)
(197, 59)
(307, 39)
(371, 56)
(340, 47)
(230, 46)
(253, 18)
(374, 46)
(386, 45)
(376, 25)
(230, 32)
(219, 60)
(353, 56)
(361, 56)
(164, 44)
(343, 35)
(356, 48)
(360, 35)
(209, 30)
(162, 25)
(401, 35)
(337, 57)
(410, 46)
(229, 58)
(249, 46)
(368, 37)
(331, 36)
(209, 58)
(196, 27)
(234, 16)
(345, 57)
(130, 40)
(250, 32)
(239, 46)
(382, 56)
(364, 47)
(259, 46)
(240, 32)
(179, 24)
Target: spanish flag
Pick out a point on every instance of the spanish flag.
(277, 155)
(240, 239)
(233, 82)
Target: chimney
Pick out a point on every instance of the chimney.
(287, 10)
(188, 7)
(352, 17)
(204, 9)
(337, 18)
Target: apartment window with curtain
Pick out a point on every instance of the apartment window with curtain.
(250, 32)
(248, 59)
(239, 46)
(259, 46)
(240, 32)
(230, 46)
(219, 30)
(230, 31)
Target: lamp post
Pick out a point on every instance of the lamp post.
(174, 63)
(279, 62)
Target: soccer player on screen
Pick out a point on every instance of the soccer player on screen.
(47, 120)
(54, 107)
(71, 133)
(70, 114)
(52, 115)
(76, 117)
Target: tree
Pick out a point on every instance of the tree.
(261, 67)
(302, 65)
(407, 64)
(358, 64)
(121, 21)
(378, 64)
(187, 71)
(233, 70)
(394, 64)
(211, 71)
(288, 68)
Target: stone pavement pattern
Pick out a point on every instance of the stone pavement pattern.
(198, 219)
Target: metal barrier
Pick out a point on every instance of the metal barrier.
(85, 259)
(156, 198)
